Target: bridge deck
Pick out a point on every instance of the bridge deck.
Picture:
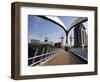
(64, 58)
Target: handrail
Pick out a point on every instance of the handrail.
(41, 59)
(41, 55)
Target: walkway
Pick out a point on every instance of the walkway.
(64, 58)
(79, 52)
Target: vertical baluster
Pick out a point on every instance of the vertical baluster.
(50, 49)
(42, 53)
(35, 54)
(43, 50)
(47, 52)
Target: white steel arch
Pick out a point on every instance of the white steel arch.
(57, 20)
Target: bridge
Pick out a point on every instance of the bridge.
(56, 56)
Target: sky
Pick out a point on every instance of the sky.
(39, 28)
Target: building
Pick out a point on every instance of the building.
(58, 45)
(46, 39)
(62, 41)
(80, 36)
(34, 41)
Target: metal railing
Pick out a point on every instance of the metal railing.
(38, 58)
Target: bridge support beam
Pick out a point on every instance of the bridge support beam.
(66, 46)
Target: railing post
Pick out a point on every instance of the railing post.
(42, 52)
(66, 46)
(35, 55)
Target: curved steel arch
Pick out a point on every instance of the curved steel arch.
(80, 20)
(56, 20)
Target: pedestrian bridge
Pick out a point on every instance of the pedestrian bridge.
(46, 54)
